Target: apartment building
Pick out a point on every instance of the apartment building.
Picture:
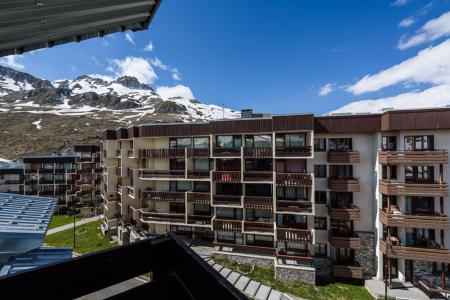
(350, 196)
(11, 177)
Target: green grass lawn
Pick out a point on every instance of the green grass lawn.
(335, 291)
(89, 239)
(60, 220)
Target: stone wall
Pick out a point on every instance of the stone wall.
(290, 274)
(323, 267)
(365, 256)
(243, 259)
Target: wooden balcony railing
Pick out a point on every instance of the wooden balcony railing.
(428, 157)
(198, 174)
(293, 179)
(258, 202)
(348, 213)
(227, 200)
(437, 255)
(415, 221)
(161, 174)
(162, 153)
(227, 176)
(300, 236)
(348, 157)
(395, 188)
(345, 240)
(163, 196)
(258, 152)
(199, 197)
(226, 152)
(163, 217)
(258, 176)
(227, 225)
(198, 153)
(348, 271)
(344, 185)
(301, 206)
(253, 226)
(199, 219)
(301, 151)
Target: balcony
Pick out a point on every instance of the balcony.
(427, 157)
(343, 184)
(226, 152)
(199, 219)
(293, 179)
(130, 191)
(395, 188)
(232, 200)
(84, 182)
(258, 152)
(162, 153)
(301, 151)
(198, 174)
(253, 226)
(258, 202)
(415, 221)
(148, 217)
(163, 196)
(88, 159)
(119, 153)
(119, 171)
(227, 176)
(161, 174)
(84, 171)
(430, 254)
(347, 271)
(345, 157)
(227, 225)
(300, 236)
(346, 213)
(289, 205)
(258, 176)
(347, 239)
(199, 197)
(130, 153)
(198, 152)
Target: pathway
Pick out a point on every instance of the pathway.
(69, 226)
(402, 291)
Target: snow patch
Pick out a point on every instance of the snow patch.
(38, 124)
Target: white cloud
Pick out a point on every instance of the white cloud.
(326, 89)
(437, 96)
(432, 30)
(156, 62)
(175, 91)
(431, 65)
(95, 60)
(406, 22)
(148, 47)
(133, 66)
(175, 74)
(399, 2)
(11, 61)
(129, 37)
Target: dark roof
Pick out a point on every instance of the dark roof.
(31, 25)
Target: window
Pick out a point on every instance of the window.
(389, 143)
(320, 223)
(258, 141)
(177, 163)
(291, 221)
(201, 164)
(418, 143)
(341, 199)
(320, 250)
(258, 165)
(264, 190)
(229, 213)
(291, 140)
(228, 141)
(229, 189)
(180, 186)
(340, 144)
(202, 209)
(176, 208)
(180, 143)
(201, 186)
(320, 197)
(341, 171)
(320, 171)
(228, 165)
(292, 193)
(258, 215)
(419, 173)
(393, 170)
(320, 145)
(201, 143)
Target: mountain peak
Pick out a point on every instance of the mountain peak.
(132, 83)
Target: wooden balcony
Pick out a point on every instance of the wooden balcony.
(437, 255)
(350, 213)
(227, 176)
(343, 185)
(395, 188)
(163, 217)
(299, 206)
(345, 157)
(198, 153)
(348, 271)
(227, 200)
(199, 219)
(415, 221)
(226, 152)
(345, 240)
(258, 176)
(253, 226)
(303, 151)
(199, 197)
(293, 179)
(258, 152)
(428, 157)
(162, 153)
(163, 196)
(227, 225)
(300, 236)
(198, 174)
(148, 174)
(258, 202)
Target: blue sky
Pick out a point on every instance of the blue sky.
(279, 57)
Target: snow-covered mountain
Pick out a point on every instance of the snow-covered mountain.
(122, 99)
